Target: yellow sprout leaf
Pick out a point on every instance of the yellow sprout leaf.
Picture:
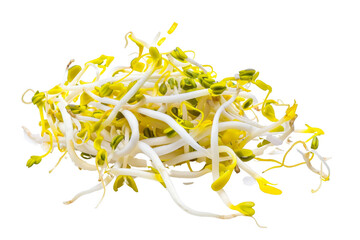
(231, 135)
(119, 181)
(290, 112)
(220, 183)
(309, 129)
(136, 65)
(73, 72)
(161, 41)
(101, 157)
(160, 179)
(131, 183)
(85, 99)
(262, 85)
(245, 208)
(55, 90)
(277, 129)
(97, 142)
(269, 113)
(172, 28)
(264, 186)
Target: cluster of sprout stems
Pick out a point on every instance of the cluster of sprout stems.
(175, 111)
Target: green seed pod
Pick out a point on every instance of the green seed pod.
(115, 141)
(163, 89)
(73, 72)
(191, 74)
(188, 124)
(101, 157)
(119, 116)
(119, 182)
(187, 83)
(193, 101)
(172, 82)
(247, 74)
(170, 132)
(315, 143)
(247, 103)
(248, 71)
(148, 133)
(245, 154)
(76, 109)
(136, 98)
(195, 113)
(105, 90)
(175, 111)
(86, 155)
(38, 98)
(218, 88)
(131, 183)
(205, 80)
(33, 160)
(178, 54)
(263, 143)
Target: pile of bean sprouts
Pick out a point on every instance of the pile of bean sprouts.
(175, 111)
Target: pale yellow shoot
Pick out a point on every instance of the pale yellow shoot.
(155, 54)
(97, 142)
(55, 90)
(136, 65)
(264, 186)
(172, 28)
(85, 99)
(161, 41)
(137, 42)
(309, 129)
(291, 112)
(277, 129)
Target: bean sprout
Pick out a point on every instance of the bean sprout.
(175, 111)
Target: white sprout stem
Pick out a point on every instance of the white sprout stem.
(160, 140)
(188, 156)
(69, 140)
(262, 131)
(165, 149)
(170, 187)
(324, 162)
(132, 173)
(184, 174)
(97, 187)
(214, 137)
(175, 126)
(178, 97)
(192, 61)
(311, 167)
(134, 125)
(129, 95)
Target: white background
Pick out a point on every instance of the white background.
(307, 50)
